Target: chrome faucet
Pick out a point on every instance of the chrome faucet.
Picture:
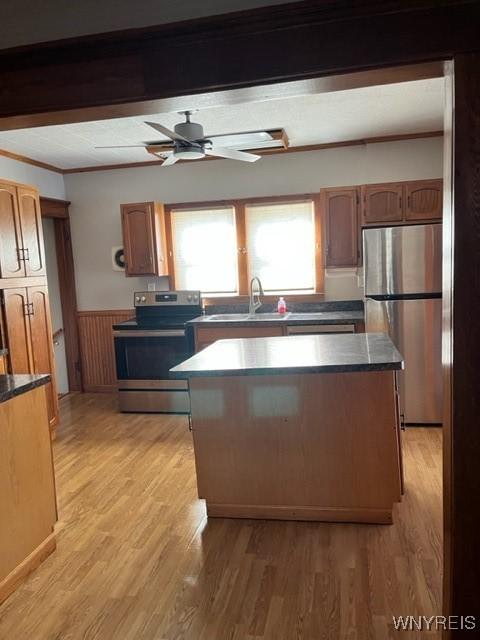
(255, 301)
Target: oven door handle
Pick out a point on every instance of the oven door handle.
(155, 333)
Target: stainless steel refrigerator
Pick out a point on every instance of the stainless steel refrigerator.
(403, 290)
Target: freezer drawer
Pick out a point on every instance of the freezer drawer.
(403, 260)
(415, 328)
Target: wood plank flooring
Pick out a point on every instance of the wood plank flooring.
(137, 558)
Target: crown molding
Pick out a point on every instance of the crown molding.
(268, 152)
(32, 161)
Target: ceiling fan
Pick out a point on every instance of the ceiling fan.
(189, 143)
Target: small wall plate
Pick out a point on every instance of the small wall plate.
(118, 259)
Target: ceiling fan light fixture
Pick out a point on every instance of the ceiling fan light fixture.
(189, 154)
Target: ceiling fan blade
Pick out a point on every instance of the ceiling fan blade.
(166, 132)
(232, 154)
(171, 159)
(122, 146)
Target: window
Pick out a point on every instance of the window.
(205, 249)
(281, 245)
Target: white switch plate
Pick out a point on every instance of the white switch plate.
(151, 286)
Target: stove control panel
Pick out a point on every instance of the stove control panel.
(167, 298)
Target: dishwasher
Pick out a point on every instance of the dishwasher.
(318, 329)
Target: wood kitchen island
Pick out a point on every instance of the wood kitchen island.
(297, 428)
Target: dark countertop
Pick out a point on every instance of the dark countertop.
(11, 386)
(293, 354)
(293, 318)
(3, 352)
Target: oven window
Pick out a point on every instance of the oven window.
(140, 358)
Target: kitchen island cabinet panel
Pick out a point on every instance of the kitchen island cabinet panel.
(295, 453)
(297, 427)
(28, 509)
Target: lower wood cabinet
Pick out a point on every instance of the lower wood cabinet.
(28, 330)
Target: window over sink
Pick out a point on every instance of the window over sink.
(281, 245)
(217, 247)
(205, 250)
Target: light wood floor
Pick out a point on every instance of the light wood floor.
(137, 559)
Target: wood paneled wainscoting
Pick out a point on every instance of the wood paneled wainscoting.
(96, 347)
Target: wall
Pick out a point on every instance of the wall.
(96, 198)
(55, 304)
(49, 183)
(30, 21)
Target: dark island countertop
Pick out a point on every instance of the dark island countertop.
(306, 318)
(15, 385)
(292, 355)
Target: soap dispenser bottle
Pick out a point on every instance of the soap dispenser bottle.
(282, 305)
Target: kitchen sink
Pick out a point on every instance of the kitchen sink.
(268, 316)
(238, 317)
(229, 317)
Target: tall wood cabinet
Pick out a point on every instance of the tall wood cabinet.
(25, 318)
(143, 226)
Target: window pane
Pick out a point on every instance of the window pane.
(281, 245)
(205, 250)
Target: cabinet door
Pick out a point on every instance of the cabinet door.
(138, 223)
(42, 344)
(424, 200)
(11, 264)
(341, 227)
(382, 203)
(32, 233)
(17, 330)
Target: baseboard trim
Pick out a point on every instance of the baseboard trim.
(9, 584)
(100, 388)
(320, 514)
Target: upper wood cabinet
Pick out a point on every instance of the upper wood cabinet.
(340, 207)
(21, 237)
(424, 200)
(32, 232)
(143, 226)
(382, 203)
(29, 337)
(402, 202)
(11, 265)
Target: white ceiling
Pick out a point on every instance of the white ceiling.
(409, 107)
